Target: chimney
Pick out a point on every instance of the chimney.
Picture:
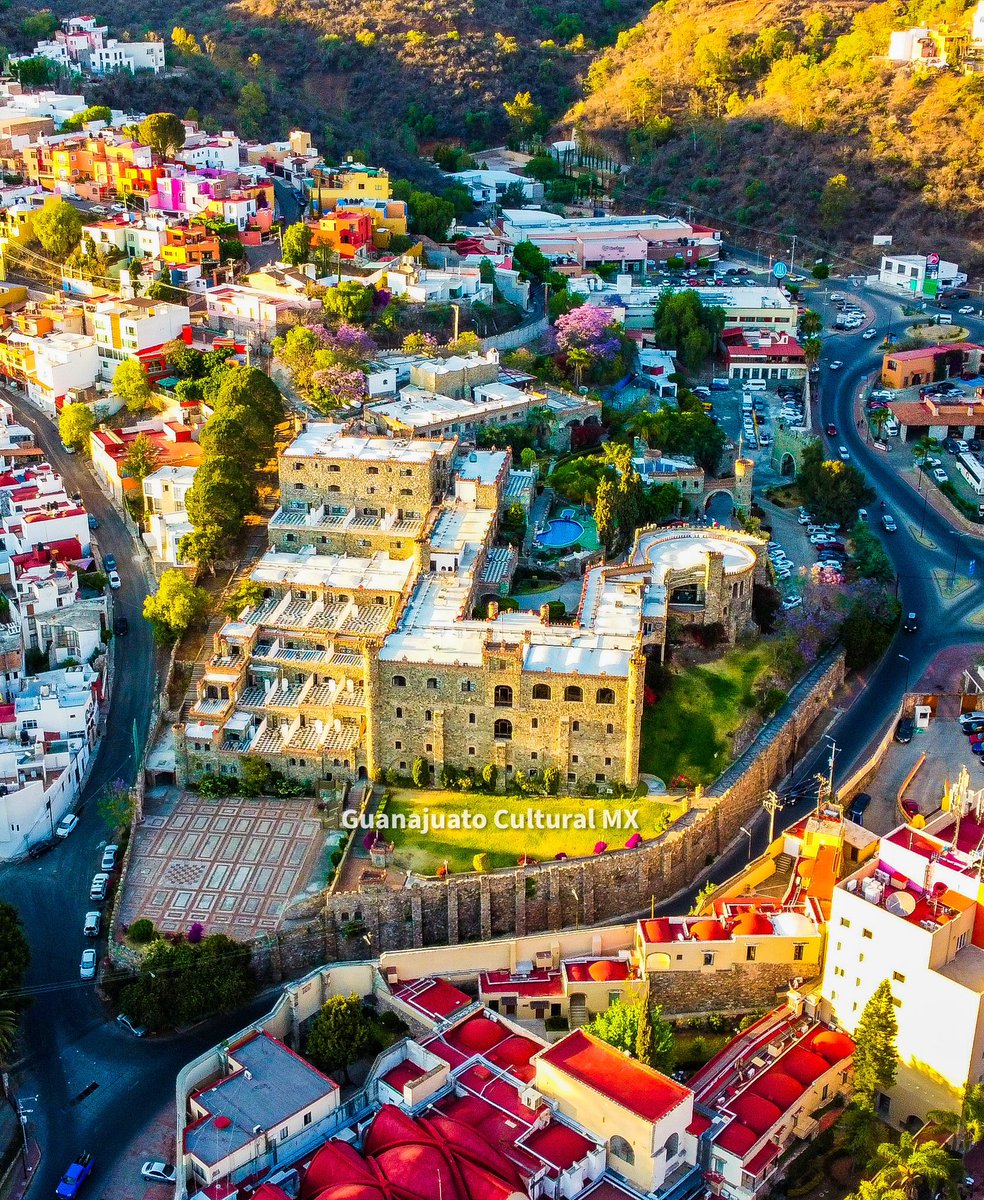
(493, 609)
(545, 613)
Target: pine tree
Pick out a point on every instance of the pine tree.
(875, 1058)
(604, 513)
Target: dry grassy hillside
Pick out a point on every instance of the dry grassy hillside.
(780, 114)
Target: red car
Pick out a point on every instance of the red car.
(831, 430)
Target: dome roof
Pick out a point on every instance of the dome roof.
(335, 1162)
(270, 1191)
(514, 1051)
(737, 1138)
(477, 1035)
(708, 930)
(756, 1112)
(658, 929)
(751, 924)
(782, 1089)
(831, 1045)
(605, 969)
(792, 924)
(804, 1065)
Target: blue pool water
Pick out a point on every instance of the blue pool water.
(562, 531)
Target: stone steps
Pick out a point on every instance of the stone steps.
(578, 1016)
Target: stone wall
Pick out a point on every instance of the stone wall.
(744, 985)
(599, 890)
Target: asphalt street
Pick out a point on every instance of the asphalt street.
(69, 1044)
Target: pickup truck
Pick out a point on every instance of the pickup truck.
(76, 1174)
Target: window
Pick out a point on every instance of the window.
(503, 696)
(798, 952)
(471, 749)
(961, 941)
(599, 777)
(898, 977)
(866, 933)
(897, 1002)
(845, 922)
(541, 691)
(467, 685)
(472, 718)
(574, 694)
(284, 1133)
(672, 1146)
(620, 1148)
(534, 755)
(575, 726)
(750, 953)
(608, 762)
(399, 713)
(428, 714)
(307, 1118)
(432, 684)
(428, 746)
(372, 470)
(708, 958)
(609, 729)
(503, 730)
(397, 745)
(399, 681)
(605, 696)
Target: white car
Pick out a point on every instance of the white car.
(966, 310)
(933, 462)
(66, 825)
(100, 883)
(844, 454)
(869, 334)
(158, 1172)
(114, 580)
(87, 967)
(940, 475)
(792, 602)
(109, 858)
(835, 365)
(803, 519)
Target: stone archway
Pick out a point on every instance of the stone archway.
(787, 466)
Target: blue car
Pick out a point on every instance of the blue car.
(77, 1173)
(109, 562)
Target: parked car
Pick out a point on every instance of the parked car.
(888, 523)
(76, 1174)
(911, 623)
(137, 1030)
(792, 602)
(93, 922)
(971, 718)
(903, 730)
(109, 857)
(844, 454)
(97, 889)
(940, 475)
(859, 806)
(951, 446)
(87, 967)
(109, 562)
(121, 627)
(158, 1172)
(40, 849)
(66, 825)
(114, 580)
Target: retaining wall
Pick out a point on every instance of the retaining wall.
(558, 895)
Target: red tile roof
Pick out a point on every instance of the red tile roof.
(634, 1086)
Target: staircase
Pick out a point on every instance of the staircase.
(578, 1016)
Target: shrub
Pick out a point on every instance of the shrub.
(419, 773)
(142, 931)
(196, 933)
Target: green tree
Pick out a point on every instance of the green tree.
(967, 1125)
(430, 215)
(35, 72)
(857, 1130)
(869, 627)
(247, 595)
(239, 433)
(875, 1058)
(75, 423)
(879, 419)
(924, 448)
(682, 323)
(419, 773)
(184, 360)
(175, 605)
(296, 243)
(350, 301)
(525, 117)
(15, 952)
(95, 112)
(142, 931)
(163, 132)
(58, 227)
(131, 384)
(812, 349)
(116, 805)
(832, 490)
(820, 270)
(836, 201)
(811, 323)
(604, 512)
(618, 1025)
(869, 555)
(204, 546)
(339, 1034)
(254, 776)
(250, 388)
(912, 1165)
(8, 1029)
(181, 982)
(251, 110)
(141, 458)
(655, 1044)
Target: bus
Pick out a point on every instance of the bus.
(972, 471)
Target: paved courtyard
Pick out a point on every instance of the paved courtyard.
(234, 864)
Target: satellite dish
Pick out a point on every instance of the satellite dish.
(901, 904)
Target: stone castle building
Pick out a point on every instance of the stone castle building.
(362, 654)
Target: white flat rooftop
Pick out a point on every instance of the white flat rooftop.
(380, 573)
(326, 440)
(680, 550)
(482, 466)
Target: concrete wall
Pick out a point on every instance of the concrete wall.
(552, 896)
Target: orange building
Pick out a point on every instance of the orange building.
(190, 245)
(343, 232)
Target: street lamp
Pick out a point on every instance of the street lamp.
(907, 666)
(747, 834)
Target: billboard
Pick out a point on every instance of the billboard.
(882, 239)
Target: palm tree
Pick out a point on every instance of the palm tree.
(911, 1163)
(967, 1126)
(578, 359)
(877, 1189)
(879, 419)
(812, 348)
(811, 323)
(924, 447)
(8, 1028)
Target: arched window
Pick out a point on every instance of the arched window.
(605, 696)
(503, 730)
(432, 684)
(399, 681)
(618, 1147)
(573, 693)
(503, 696)
(672, 1145)
(541, 691)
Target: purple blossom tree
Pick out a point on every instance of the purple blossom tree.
(583, 327)
(338, 387)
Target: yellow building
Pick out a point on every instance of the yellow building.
(350, 182)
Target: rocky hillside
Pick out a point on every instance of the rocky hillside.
(780, 114)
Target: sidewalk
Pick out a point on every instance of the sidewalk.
(17, 1186)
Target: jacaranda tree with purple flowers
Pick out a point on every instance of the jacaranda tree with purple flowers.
(591, 345)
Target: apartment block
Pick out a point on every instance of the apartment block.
(138, 329)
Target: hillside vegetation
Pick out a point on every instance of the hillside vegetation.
(785, 115)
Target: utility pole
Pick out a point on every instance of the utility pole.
(771, 803)
(455, 310)
(792, 257)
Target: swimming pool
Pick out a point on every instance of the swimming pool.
(561, 531)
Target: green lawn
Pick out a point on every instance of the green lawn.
(686, 731)
(425, 852)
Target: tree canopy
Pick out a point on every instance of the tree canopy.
(875, 1057)
(131, 384)
(832, 490)
(58, 227)
(296, 243)
(682, 323)
(175, 605)
(75, 423)
(181, 982)
(15, 953)
(339, 1034)
(163, 132)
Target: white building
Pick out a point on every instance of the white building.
(489, 187)
(137, 329)
(911, 272)
(217, 151)
(164, 492)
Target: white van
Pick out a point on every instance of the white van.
(891, 427)
(754, 385)
(944, 319)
